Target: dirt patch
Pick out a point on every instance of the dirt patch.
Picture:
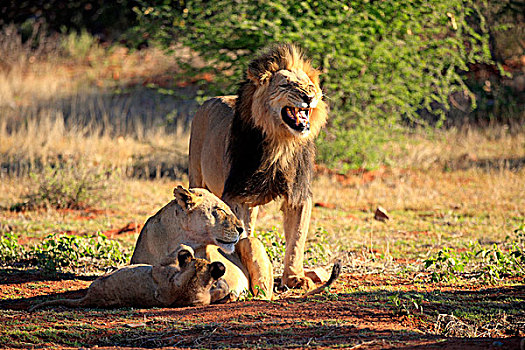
(368, 319)
(130, 228)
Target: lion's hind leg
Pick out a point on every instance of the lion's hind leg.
(254, 257)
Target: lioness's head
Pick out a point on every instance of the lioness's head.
(286, 100)
(209, 220)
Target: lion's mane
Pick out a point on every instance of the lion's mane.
(266, 160)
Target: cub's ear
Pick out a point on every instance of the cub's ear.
(173, 257)
(184, 257)
(187, 199)
(217, 270)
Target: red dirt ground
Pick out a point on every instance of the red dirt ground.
(361, 320)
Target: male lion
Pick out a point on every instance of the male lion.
(251, 148)
(179, 280)
(199, 219)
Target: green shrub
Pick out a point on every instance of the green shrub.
(316, 250)
(10, 250)
(58, 252)
(79, 45)
(492, 263)
(381, 60)
(68, 185)
(274, 242)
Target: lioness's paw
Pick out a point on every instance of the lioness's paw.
(298, 282)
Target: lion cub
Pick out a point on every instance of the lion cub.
(179, 280)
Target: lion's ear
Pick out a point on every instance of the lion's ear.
(187, 199)
(257, 75)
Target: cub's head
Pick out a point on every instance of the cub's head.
(184, 280)
(282, 94)
(209, 220)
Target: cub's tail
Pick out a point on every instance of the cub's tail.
(61, 302)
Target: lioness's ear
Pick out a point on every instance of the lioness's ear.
(187, 199)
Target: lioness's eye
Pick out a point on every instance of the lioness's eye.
(216, 212)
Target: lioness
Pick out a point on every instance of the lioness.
(257, 146)
(179, 280)
(199, 219)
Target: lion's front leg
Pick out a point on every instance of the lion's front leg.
(296, 222)
(253, 256)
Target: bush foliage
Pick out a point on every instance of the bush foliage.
(382, 60)
(488, 263)
(59, 252)
(68, 185)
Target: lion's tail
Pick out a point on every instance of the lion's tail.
(61, 302)
(336, 271)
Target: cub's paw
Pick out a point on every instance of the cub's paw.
(220, 292)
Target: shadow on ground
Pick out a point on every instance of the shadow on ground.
(371, 320)
(487, 164)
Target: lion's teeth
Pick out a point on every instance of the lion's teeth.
(303, 114)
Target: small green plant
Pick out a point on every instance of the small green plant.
(446, 264)
(260, 292)
(406, 304)
(10, 250)
(317, 251)
(58, 252)
(493, 263)
(69, 185)
(274, 242)
(66, 251)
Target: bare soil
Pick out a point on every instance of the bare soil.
(341, 318)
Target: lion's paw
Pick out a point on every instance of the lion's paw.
(298, 282)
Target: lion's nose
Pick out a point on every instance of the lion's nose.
(307, 98)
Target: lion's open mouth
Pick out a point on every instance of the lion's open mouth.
(296, 118)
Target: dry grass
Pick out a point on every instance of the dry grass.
(92, 107)
(492, 148)
(445, 189)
